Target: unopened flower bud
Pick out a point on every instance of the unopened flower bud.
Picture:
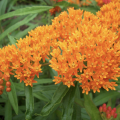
(100, 109)
(8, 89)
(108, 116)
(109, 108)
(115, 115)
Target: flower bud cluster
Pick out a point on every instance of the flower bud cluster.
(108, 112)
(5, 82)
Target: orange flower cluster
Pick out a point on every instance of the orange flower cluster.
(109, 16)
(86, 52)
(84, 48)
(24, 61)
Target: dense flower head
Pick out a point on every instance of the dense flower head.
(84, 48)
(87, 53)
(109, 16)
(23, 61)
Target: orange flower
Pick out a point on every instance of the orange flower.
(89, 59)
(84, 48)
(109, 16)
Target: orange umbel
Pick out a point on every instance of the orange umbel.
(86, 52)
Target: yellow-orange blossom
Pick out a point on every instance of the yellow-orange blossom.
(88, 52)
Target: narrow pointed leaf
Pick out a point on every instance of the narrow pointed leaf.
(12, 39)
(104, 97)
(91, 109)
(68, 102)
(12, 96)
(42, 81)
(77, 108)
(3, 5)
(17, 25)
(8, 111)
(79, 102)
(56, 99)
(29, 102)
(40, 96)
(25, 11)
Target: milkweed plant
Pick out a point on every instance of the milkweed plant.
(68, 69)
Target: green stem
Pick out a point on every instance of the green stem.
(29, 102)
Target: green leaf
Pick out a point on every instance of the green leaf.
(65, 4)
(53, 72)
(109, 103)
(13, 97)
(118, 112)
(113, 101)
(84, 114)
(90, 9)
(40, 96)
(11, 3)
(2, 100)
(8, 23)
(16, 25)
(2, 110)
(29, 102)
(3, 5)
(12, 40)
(79, 102)
(91, 109)
(19, 86)
(104, 97)
(25, 11)
(8, 111)
(42, 81)
(56, 99)
(23, 33)
(77, 108)
(68, 102)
